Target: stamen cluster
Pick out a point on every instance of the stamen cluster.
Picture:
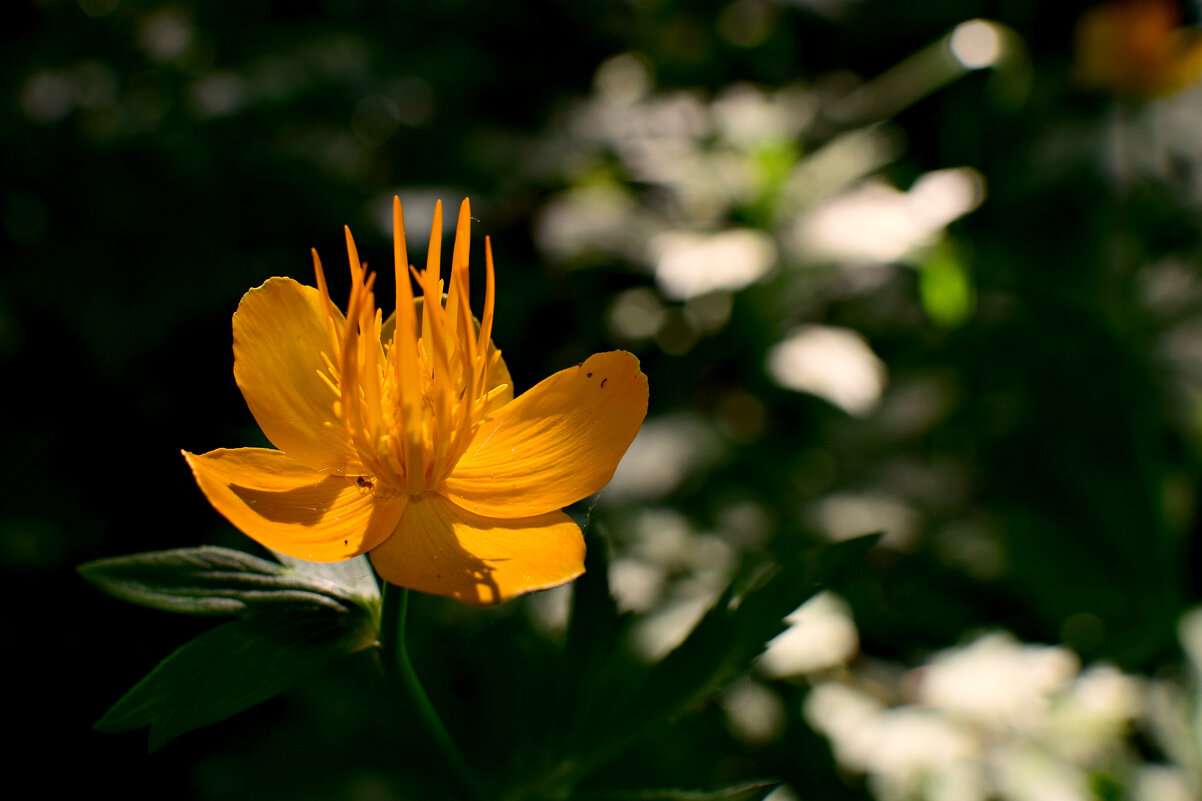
(411, 402)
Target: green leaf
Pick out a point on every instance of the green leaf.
(752, 791)
(353, 578)
(945, 287)
(235, 666)
(596, 665)
(720, 648)
(729, 638)
(294, 619)
(222, 581)
(595, 623)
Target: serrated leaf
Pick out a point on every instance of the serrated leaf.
(738, 628)
(222, 581)
(752, 791)
(720, 648)
(236, 666)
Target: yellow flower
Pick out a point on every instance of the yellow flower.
(401, 438)
(1137, 47)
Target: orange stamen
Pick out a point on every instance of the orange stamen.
(410, 420)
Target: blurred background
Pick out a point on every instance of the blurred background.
(930, 269)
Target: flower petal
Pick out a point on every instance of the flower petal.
(441, 549)
(280, 332)
(555, 444)
(322, 517)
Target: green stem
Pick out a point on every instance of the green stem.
(395, 652)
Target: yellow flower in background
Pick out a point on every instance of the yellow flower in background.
(401, 438)
(1137, 47)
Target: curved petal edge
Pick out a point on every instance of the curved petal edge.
(441, 549)
(321, 517)
(555, 444)
(281, 330)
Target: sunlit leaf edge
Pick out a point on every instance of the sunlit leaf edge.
(211, 580)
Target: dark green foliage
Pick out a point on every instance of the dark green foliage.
(235, 666)
(611, 703)
(719, 649)
(745, 792)
(293, 621)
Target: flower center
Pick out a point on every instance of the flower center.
(412, 390)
